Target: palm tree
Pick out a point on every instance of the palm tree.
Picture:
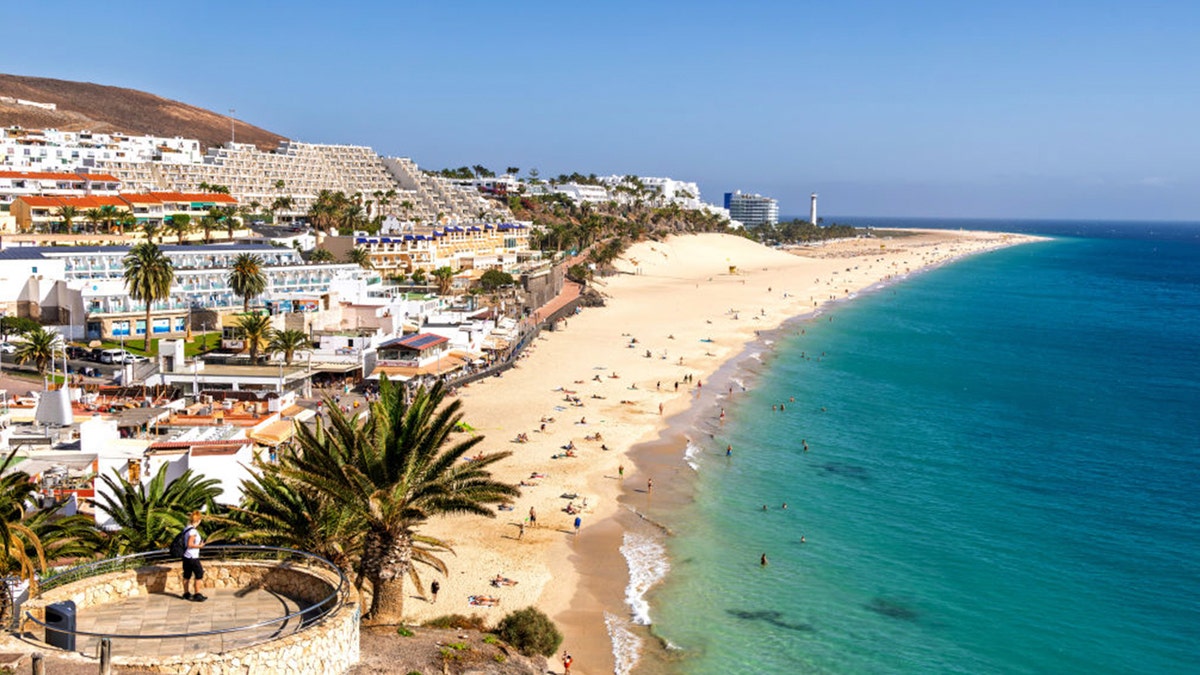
(390, 474)
(66, 214)
(151, 514)
(229, 215)
(94, 217)
(40, 346)
(320, 255)
(361, 257)
(280, 204)
(246, 278)
(109, 215)
(208, 223)
(148, 276)
(276, 512)
(255, 330)
(444, 277)
(288, 342)
(181, 224)
(16, 535)
(151, 229)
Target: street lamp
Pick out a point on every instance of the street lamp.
(231, 136)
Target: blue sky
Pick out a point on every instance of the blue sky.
(939, 108)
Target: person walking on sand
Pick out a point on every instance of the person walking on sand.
(578, 522)
(532, 517)
(649, 485)
(521, 531)
(192, 569)
(567, 661)
(434, 587)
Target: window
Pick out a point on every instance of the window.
(140, 327)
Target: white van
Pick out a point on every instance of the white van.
(114, 356)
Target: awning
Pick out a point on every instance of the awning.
(274, 433)
(446, 364)
(335, 367)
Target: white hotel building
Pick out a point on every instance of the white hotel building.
(82, 289)
(752, 210)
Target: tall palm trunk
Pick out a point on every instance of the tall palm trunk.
(387, 560)
(146, 341)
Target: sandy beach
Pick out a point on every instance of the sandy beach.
(610, 379)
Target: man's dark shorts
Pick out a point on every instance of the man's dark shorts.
(192, 568)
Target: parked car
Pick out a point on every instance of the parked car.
(8, 348)
(77, 352)
(114, 356)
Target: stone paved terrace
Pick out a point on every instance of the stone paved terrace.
(168, 613)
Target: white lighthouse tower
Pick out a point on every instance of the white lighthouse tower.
(812, 210)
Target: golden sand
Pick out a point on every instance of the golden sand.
(691, 302)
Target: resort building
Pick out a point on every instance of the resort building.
(54, 150)
(44, 214)
(82, 288)
(753, 209)
(295, 171)
(15, 184)
(410, 247)
(301, 171)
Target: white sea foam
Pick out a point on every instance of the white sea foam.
(647, 561)
(627, 647)
(757, 356)
(690, 453)
(768, 341)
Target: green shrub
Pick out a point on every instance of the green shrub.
(531, 632)
(490, 639)
(473, 622)
(403, 631)
(499, 657)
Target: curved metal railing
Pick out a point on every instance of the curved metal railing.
(229, 638)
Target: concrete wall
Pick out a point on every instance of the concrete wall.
(543, 286)
(329, 645)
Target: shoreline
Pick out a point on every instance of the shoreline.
(665, 319)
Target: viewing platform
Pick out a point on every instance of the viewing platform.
(268, 609)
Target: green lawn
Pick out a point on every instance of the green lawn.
(200, 343)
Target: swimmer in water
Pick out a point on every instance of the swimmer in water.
(763, 561)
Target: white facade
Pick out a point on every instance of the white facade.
(751, 209)
(584, 193)
(54, 150)
(658, 191)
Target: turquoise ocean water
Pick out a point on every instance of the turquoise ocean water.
(1003, 475)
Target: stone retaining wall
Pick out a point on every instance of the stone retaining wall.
(329, 645)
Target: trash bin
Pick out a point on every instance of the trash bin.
(60, 625)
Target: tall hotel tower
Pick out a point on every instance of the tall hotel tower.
(752, 210)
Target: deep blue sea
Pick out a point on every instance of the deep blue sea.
(1003, 473)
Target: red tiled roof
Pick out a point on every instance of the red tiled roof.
(140, 198)
(32, 200)
(194, 197)
(89, 202)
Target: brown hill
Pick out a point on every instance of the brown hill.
(103, 109)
